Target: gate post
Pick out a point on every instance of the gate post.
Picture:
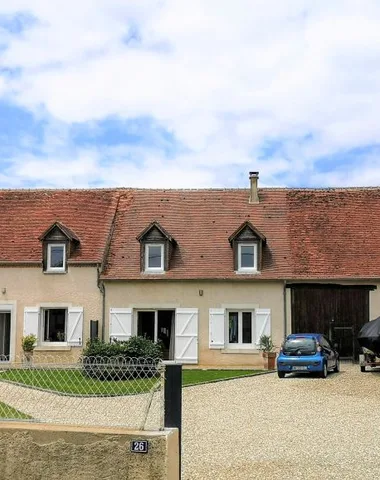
(173, 401)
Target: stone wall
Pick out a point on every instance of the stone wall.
(52, 452)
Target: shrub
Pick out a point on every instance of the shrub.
(28, 342)
(137, 357)
(266, 343)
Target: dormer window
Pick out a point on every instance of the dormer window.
(247, 243)
(247, 257)
(154, 257)
(56, 257)
(58, 244)
(157, 246)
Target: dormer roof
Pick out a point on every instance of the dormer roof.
(247, 226)
(157, 226)
(71, 236)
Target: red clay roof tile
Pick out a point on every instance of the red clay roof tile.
(311, 234)
(26, 214)
(201, 221)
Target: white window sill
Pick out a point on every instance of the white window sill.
(55, 272)
(154, 272)
(53, 348)
(247, 272)
(244, 351)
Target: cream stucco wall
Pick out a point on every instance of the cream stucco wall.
(54, 452)
(216, 294)
(30, 287)
(374, 302)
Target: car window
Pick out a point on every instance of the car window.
(300, 346)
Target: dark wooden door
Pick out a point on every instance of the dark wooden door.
(322, 308)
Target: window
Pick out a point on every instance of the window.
(154, 258)
(56, 257)
(54, 324)
(240, 328)
(300, 346)
(247, 257)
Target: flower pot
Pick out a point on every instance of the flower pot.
(28, 356)
(269, 360)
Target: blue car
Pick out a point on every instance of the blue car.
(307, 353)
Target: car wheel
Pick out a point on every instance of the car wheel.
(362, 368)
(337, 366)
(323, 374)
(280, 374)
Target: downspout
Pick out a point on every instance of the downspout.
(103, 292)
(102, 289)
(285, 311)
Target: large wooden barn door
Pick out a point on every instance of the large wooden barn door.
(337, 311)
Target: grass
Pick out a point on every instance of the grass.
(191, 377)
(75, 382)
(10, 413)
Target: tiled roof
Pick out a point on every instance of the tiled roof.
(26, 214)
(201, 221)
(334, 234)
(310, 234)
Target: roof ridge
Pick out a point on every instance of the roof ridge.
(95, 189)
(205, 189)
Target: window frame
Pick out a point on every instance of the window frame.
(45, 343)
(148, 269)
(240, 345)
(49, 268)
(255, 253)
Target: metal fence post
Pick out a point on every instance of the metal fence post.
(173, 401)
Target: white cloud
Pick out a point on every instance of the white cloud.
(222, 76)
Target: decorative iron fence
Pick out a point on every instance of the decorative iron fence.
(120, 391)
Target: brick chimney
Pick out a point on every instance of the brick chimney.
(254, 196)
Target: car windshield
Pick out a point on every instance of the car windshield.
(300, 346)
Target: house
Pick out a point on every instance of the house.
(209, 271)
(201, 270)
(52, 252)
(206, 272)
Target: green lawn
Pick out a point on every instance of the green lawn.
(75, 382)
(190, 377)
(7, 412)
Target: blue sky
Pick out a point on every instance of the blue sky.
(171, 93)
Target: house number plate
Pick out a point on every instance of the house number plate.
(139, 446)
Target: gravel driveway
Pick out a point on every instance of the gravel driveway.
(294, 428)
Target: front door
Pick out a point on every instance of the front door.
(5, 335)
(158, 326)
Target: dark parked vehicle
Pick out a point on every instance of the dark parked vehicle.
(307, 353)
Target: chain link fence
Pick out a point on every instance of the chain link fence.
(127, 392)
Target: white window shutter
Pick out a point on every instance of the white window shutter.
(120, 324)
(75, 326)
(186, 335)
(31, 317)
(263, 323)
(216, 327)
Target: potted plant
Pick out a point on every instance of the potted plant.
(28, 344)
(269, 355)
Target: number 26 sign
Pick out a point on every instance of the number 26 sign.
(139, 446)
